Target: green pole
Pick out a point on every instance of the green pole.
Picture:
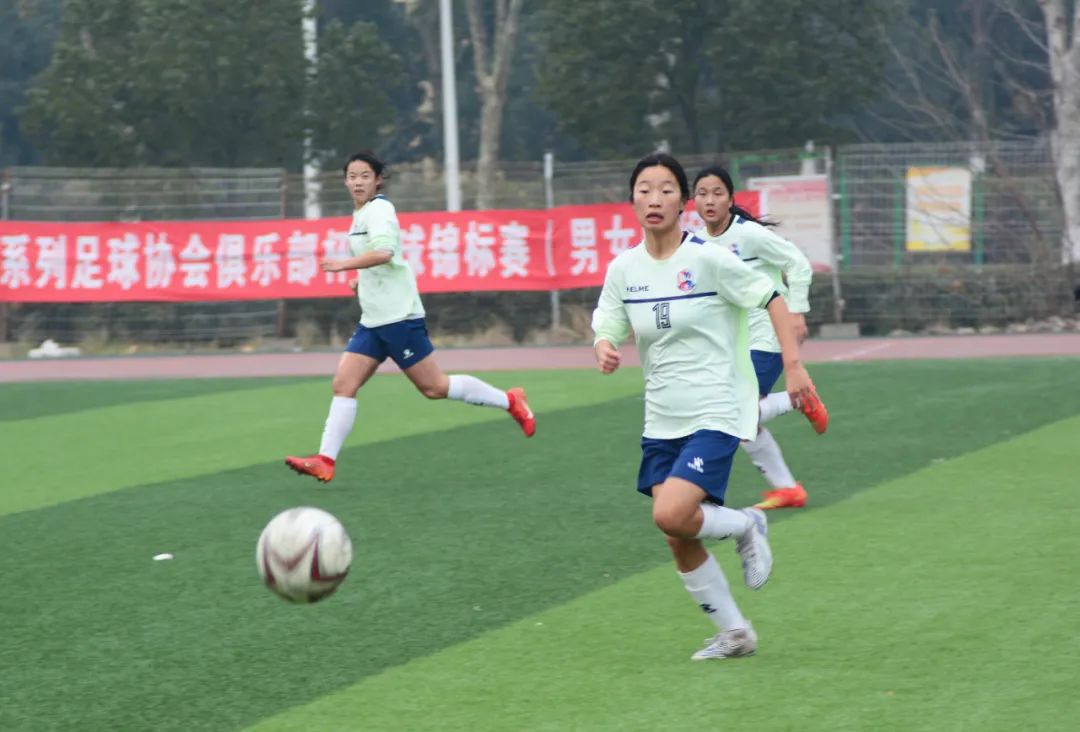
(845, 214)
(736, 176)
(980, 216)
(898, 222)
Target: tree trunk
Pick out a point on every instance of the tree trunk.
(487, 160)
(1063, 47)
(1066, 147)
(491, 82)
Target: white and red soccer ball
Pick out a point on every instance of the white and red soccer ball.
(303, 554)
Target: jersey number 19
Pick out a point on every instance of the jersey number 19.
(662, 310)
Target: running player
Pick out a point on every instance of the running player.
(391, 324)
(734, 228)
(686, 303)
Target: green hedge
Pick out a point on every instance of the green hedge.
(914, 298)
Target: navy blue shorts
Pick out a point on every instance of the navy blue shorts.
(406, 342)
(703, 458)
(768, 366)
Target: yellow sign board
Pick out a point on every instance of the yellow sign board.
(938, 209)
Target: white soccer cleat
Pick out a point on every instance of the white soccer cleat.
(729, 644)
(754, 550)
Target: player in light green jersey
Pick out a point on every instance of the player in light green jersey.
(686, 301)
(391, 324)
(739, 231)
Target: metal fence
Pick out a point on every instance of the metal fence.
(144, 194)
(1014, 269)
(420, 187)
(1012, 272)
(141, 194)
(1016, 214)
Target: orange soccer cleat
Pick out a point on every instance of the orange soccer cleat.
(814, 410)
(519, 410)
(783, 498)
(319, 467)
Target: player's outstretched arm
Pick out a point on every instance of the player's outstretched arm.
(798, 380)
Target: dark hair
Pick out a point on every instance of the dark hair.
(725, 177)
(377, 165)
(666, 161)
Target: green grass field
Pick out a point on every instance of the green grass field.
(505, 584)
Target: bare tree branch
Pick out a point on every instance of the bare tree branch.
(506, 20)
(960, 80)
(1034, 32)
(478, 39)
(943, 93)
(916, 99)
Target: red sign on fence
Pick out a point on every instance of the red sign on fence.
(552, 249)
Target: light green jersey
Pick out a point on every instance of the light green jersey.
(387, 292)
(777, 258)
(688, 313)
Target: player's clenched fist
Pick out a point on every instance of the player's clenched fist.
(607, 357)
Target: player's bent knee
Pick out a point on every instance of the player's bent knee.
(434, 392)
(673, 522)
(344, 387)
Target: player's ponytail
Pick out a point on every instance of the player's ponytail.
(725, 178)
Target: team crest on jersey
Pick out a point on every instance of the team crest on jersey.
(735, 248)
(686, 280)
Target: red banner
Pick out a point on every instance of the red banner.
(552, 249)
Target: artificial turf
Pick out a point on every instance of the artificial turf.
(466, 536)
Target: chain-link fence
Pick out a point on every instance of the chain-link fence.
(420, 187)
(1015, 211)
(145, 194)
(1010, 267)
(1012, 271)
(121, 327)
(142, 194)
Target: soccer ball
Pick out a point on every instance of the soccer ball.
(303, 554)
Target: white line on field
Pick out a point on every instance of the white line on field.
(859, 353)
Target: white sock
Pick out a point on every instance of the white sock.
(710, 590)
(471, 390)
(775, 404)
(766, 455)
(338, 425)
(722, 523)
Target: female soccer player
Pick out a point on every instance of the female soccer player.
(686, 302)
(391, 324)
(736, 229)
